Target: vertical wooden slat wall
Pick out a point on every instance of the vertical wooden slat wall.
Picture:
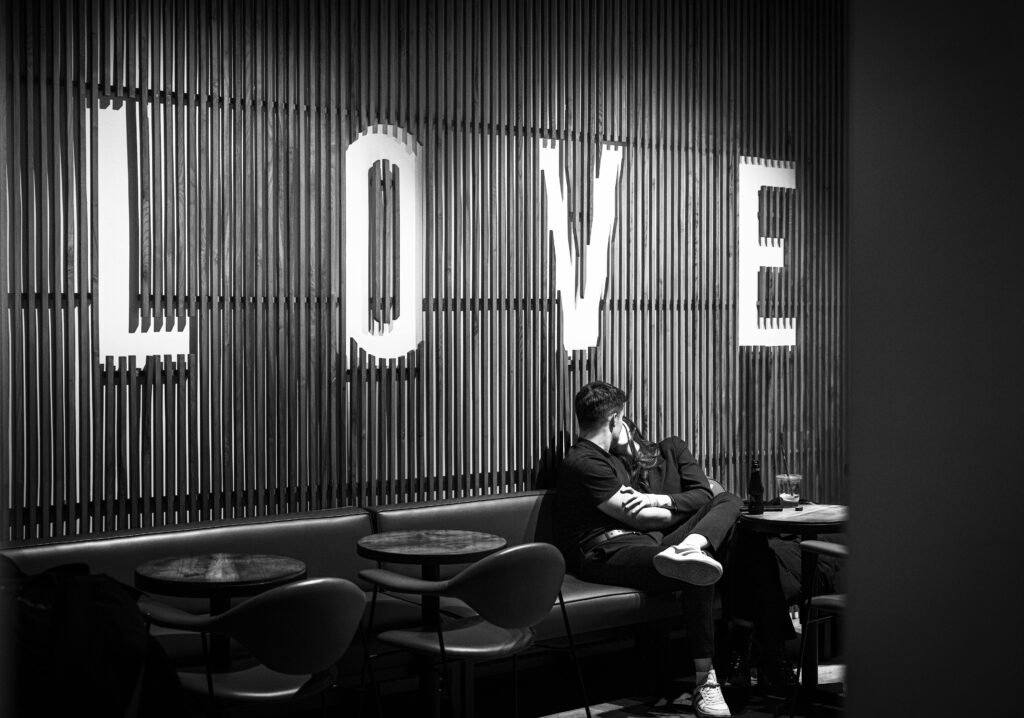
(240, 114)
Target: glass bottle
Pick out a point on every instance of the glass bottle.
(755, 490)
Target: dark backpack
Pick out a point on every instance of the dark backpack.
(80, 643)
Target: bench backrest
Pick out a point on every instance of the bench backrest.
(325, 540)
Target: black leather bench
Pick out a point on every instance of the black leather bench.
(326, 542)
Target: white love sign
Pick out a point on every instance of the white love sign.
(579, 299)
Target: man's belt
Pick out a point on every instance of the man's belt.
(591, 542)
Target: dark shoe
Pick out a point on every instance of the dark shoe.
(736, 683)
(776, 677)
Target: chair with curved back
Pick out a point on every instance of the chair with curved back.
(511, 591)
(296, 632)
(816, 609)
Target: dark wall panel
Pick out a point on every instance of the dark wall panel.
(240, 115)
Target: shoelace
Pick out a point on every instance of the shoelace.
(711, 694)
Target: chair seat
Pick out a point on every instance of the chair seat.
(466, 639)
(833, 602)
(257, 683)
(294, 634)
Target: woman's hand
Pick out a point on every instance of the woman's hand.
(636, 501)
(642, 511)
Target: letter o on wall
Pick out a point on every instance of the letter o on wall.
(402, 335)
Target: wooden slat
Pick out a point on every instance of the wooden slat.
(118, 397)
(7, 409)
(239, 119)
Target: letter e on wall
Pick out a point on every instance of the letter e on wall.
(752, 330)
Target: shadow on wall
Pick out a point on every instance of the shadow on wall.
(550, 460)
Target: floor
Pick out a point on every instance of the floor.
(759, 706)
(619, 685)
(616, 691)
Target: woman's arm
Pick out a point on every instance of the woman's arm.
(693, 490)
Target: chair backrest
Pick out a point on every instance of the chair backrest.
(513, 588)
(301, 627)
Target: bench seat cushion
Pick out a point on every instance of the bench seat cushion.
(596, 607)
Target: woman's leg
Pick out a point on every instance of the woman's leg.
(714, 521)
(691, 549)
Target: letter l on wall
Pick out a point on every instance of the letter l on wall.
(113, 300)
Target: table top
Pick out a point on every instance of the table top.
(434, 546)
(204, 575)
(812, 518)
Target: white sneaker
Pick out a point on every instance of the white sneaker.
(688, 564)
(708, 699)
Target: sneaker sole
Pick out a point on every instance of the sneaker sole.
(701, 714)
(696, 573)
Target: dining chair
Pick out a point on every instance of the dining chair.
(510, 591)
(295, 634)
(816, 609)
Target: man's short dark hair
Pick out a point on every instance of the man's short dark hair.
(596, 401)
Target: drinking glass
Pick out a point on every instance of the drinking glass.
(788, 488)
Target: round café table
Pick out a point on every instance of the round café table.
(218, 577)
(806, 521)
(431, 549)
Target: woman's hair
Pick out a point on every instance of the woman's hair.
(643, 456)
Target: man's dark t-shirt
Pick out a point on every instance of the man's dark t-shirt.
(590, 475)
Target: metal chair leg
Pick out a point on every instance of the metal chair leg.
(515, 686)
(810, 624)
(367, 673)
(214, 706)
(365, 633)
(575, 658)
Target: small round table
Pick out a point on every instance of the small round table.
(218, 577)
(807, 522)
(430, 548)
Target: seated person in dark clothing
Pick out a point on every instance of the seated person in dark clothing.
(761, 574)
(612, 532)
(762, 583)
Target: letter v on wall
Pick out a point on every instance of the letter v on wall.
(579, 304)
